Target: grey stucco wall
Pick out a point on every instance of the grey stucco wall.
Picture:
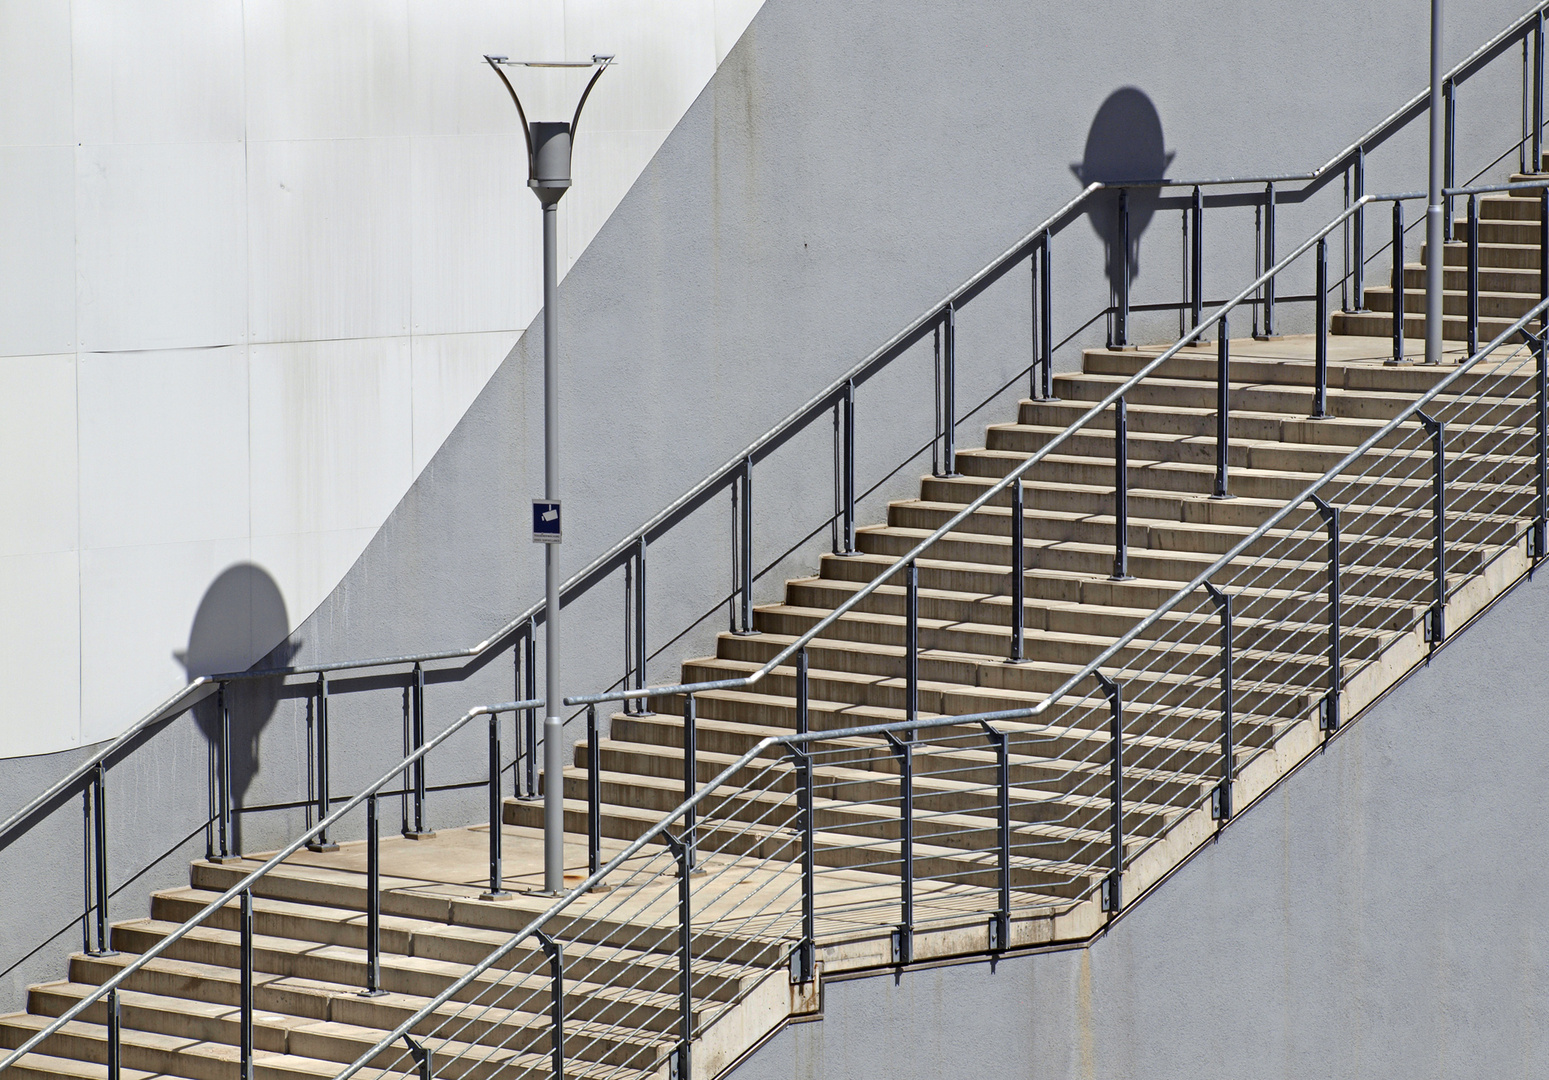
(1379, 914)
(846, 167)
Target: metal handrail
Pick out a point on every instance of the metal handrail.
(1091, 669)
(247, 882)
(202, 686)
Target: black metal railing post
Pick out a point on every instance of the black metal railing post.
(1436, 625)
(1032, 310)
(1221, 797)
(1197, 258)
(1537, 141)
(745, 563)
(804, 959)
(1113, 884)
(1344, 250)
(1473, 274)
(1358, 234)
(1046, 308)
(903, 936)
(424, 1058)
(1018, 573)
(679, 1068)
(556, 954)
(320, 842)
(949, 393)
(98, 809)
(1000, 922)
(848, 532)
(1269, 258)
(245, 963)
(1320, 348)
(1398, 281)
(1120, 492)
(1449, 154)
(1121, 311)
(1543, 249)
(1328, 718)
(690, 779)
(1223, 409)
(642, 706)
(911, 644)
(373, 901)
(497, 889)
(1540, 529)
(593, 793)
(223, 767)
(116, 1040)
(417, 831)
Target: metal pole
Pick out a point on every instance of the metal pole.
(320, 842)
(245, 1038)
(903, 938)
(911, 645)
(1046, 331)
(1473, 274)
(1320, 352)
(1018, 576)
(1329, 720)
(373, 902)
(86, 870)
(1120, 492)
(1223, 408)
(1197, 261)
(1449, 158)
(1032, 307)
(684, 1059)
(1358, 236)
(1537, 141)
(1113, 884)
(1000, 924)
(417, 732)
(1221, 797)
(100, 855)
(1435, 212)
(1344, 250)
(1121, 319)
(690, 780)
(949, 393)
(593, 793)
(849, 467)
(115, 1040)
(805, 957)
(556, 953)
(642, 707)
(553, 726)
(496, 817)
(225, 771)
(745, 525)
(1269, 258)
(1399, 302)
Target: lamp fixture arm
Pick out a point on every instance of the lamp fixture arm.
(576, 120)
(494, 63)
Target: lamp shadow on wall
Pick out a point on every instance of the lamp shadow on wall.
(241, 615)
(1124, 143)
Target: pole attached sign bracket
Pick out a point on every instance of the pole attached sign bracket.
(545, 521)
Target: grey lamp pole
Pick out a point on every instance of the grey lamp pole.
(1435, 257)
(548, 174)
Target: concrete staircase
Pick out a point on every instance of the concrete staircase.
(1509, 247)
(179, 1014)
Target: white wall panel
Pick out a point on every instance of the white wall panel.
(161, 246)
(164, 447)
(37, 428)
(155, 590)
(37, 254)
(158, 71)
(332, 434)
(307, 566)
(478, 236)
(731, 19)
(331, 256)
(335, 70)
(666, 55)
(42, 653)
(449, 372)
(35, 67)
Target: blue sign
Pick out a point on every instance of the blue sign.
(545, 522)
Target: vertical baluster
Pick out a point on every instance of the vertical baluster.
(680, 1068)
(1121, 317)
(746, 526)
(1258, 266)
(1398, 282)
(1543, 250)
(593, 793)
(1538, 537)
(911, 644)
(100, 855)
(530, 693)
(1473, 275)
(1358, 236)
(1328, 718)
(86, 869)
(320, 842)
(1344, 250)
(1018, 574)
(949, 393)
(223, 708)
(1537, 142)
(1120, 492)
(496, 817)
(1197, 261)
(903, 936)
(374, 901)
(1436, 626)
(1449, 154)
(804, 959)
(115, 1039)
(1320, 350)
(1046, 308)
(849, 467)
(1000, 923)
(690, 779)
(1112, 889)
(245, 949)
(1223, 409)
(1269, 259)
(556, 955)
(1221, 797)
(1032, 307)
(1526, 82)
(419, 832)
(935, 441)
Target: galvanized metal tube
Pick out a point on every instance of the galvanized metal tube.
(1223, 409)
(1120, 492)
(593, 793)
(1320, 348)
(1018, 574)
(245, 963)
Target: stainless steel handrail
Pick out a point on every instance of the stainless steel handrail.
(275, 860)
(760, 748)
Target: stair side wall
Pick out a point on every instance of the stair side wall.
(1377, 915)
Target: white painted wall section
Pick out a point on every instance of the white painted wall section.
(259, 257)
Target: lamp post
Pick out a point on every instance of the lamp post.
(549, 144)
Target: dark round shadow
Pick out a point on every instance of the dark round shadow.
(241, 620)
(1124, 143)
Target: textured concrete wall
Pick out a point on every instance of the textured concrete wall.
(847, 165)
(1379, 914)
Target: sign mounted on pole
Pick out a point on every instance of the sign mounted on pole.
(545, 521)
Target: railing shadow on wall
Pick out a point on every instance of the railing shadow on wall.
(403, 678)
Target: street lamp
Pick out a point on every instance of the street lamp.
(548, 174)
